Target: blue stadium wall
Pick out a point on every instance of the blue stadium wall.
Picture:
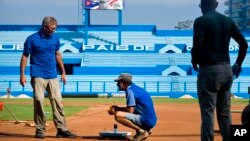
(159, 60)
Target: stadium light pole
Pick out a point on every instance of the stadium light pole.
(86, 25)
(120, 27)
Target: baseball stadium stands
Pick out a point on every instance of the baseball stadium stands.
(159, 60)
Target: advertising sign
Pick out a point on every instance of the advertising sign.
(104, 4)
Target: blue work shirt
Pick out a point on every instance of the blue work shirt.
(141, 100)
(42, 50)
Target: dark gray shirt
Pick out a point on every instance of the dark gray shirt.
(212, 34)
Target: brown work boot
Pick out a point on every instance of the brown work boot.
(140, 136)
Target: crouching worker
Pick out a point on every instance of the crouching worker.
(139, 114)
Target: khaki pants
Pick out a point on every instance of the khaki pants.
(52, 87)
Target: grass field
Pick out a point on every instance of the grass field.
(22, 108)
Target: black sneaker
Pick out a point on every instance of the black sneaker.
(39, 135)
(65, 134)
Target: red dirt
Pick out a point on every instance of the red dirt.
(176, 122)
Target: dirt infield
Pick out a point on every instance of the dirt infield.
(176, 122)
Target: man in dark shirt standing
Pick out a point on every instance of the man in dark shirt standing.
(210, 57)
